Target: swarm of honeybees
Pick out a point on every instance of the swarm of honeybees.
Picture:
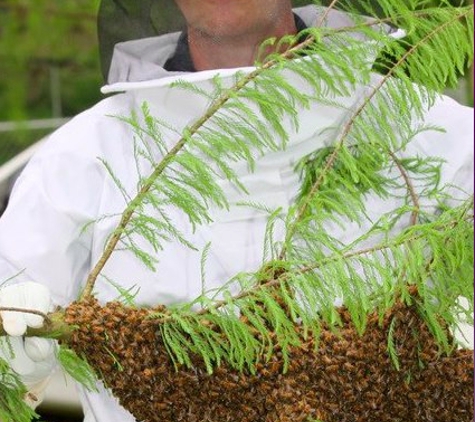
(348, 377)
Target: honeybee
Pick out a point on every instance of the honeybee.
(147, 373)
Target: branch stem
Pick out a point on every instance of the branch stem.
(54, 327)
(25, 311)
(321, 21)
(410, 188)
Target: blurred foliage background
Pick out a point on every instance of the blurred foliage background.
(44, 43)
(50, 67)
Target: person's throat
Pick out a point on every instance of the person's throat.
(209, 52)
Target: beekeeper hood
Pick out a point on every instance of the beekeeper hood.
(132, 50)
(126, 20)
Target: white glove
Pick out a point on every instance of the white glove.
(32, 358)
(29, 295)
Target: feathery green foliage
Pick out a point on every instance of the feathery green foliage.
(364, 279)
(12, 392)
(77, 368)
(365, 154)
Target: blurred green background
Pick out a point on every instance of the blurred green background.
(49, 65)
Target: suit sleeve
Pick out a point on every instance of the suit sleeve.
(41, 232)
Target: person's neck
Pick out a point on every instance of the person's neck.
(208, 52)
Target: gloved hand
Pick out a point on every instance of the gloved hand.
(32, 358)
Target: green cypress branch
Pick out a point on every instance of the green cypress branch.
(330, 161)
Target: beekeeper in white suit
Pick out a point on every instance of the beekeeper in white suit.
(65, 186)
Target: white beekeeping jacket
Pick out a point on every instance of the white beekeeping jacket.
(66, 186)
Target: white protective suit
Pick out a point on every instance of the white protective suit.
(66, 186)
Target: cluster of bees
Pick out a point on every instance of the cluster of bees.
(348, 378)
